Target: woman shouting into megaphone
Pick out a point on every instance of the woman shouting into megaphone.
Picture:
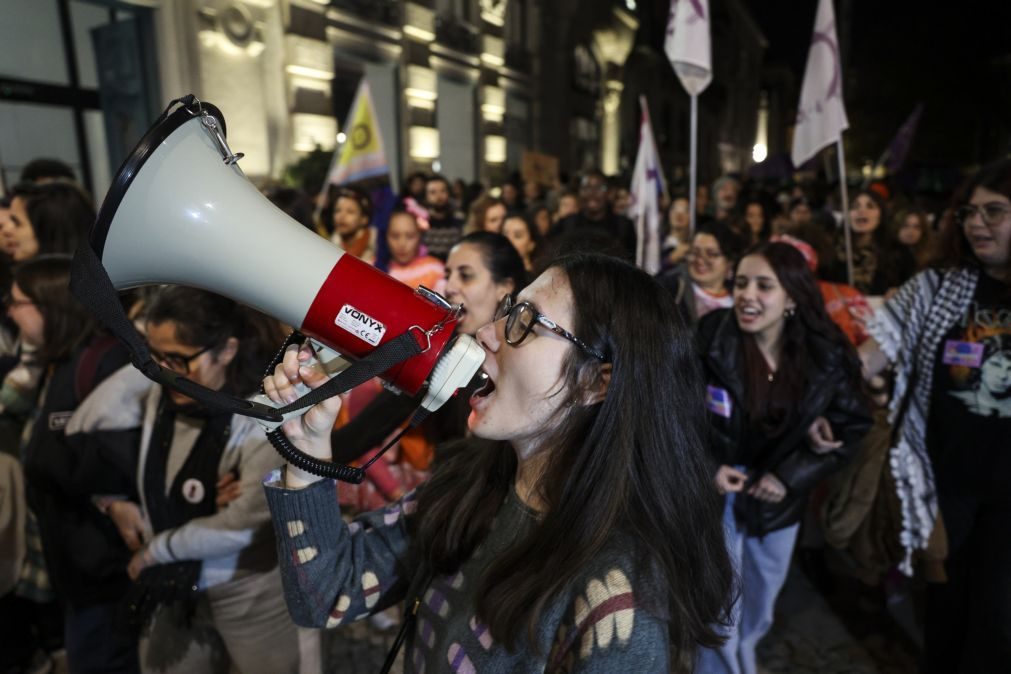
(577, 530)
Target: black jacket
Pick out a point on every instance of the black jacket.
(829, 394)
(85, 555)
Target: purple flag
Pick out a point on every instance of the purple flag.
(897, 151)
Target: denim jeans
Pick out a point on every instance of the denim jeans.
(762, 564)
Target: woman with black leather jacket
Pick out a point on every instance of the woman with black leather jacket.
(786, 410)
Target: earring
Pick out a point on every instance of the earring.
(789, 312)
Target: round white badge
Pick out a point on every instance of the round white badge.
(193, 491)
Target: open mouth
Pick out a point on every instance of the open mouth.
(486, 387)
(748, 313)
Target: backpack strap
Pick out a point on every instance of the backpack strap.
(88, 364)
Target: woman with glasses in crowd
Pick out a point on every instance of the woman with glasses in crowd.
(81, 561)
(578, 529)
(943, 335)
(702, 283)
(38, 219)
(205, 573)
(776, 366)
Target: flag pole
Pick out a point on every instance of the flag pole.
(692, 178)
(338, 148)
(847, 236)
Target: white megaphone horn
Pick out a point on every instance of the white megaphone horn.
(180, 211)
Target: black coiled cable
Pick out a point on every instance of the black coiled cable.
(319, 467)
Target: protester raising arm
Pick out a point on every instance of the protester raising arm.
(532, 528)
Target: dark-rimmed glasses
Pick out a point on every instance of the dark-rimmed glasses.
(176, 361)
(521, 319)
(991, 214)
(706, 254)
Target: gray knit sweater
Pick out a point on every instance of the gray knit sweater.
(335, 573)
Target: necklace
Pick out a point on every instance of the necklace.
(772, 375)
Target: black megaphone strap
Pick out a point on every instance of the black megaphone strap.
(91, 285)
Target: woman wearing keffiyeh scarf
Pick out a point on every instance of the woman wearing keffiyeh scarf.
(949, 461)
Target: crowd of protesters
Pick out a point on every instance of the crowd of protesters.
(790, 391)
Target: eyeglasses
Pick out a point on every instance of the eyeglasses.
(705, 254)
(177, 362)
(597, 188)
(991, 214)
(521, 319)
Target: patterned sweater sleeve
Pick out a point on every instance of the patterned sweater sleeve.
(333, 572)
(607, 629)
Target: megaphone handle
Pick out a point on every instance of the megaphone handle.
(379, 361)
(353, 475)
(327, 364)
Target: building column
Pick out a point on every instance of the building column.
(610, 132)
(611, 47)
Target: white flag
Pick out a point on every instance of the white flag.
(687, 44)
(644, 197)
(821, 117)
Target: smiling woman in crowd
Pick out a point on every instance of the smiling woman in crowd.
(946, 334)
(786, 408)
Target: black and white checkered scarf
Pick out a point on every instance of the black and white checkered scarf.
(909, 328)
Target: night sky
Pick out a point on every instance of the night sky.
(955, 58)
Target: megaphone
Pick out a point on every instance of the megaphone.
(181, 211)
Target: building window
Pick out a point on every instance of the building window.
(78, 82)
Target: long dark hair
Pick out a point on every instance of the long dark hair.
(61, 214)
(766, 230)
(773, 411)
(45, 280)
(953, 249)
(880, 235)
(630, 470)
(205, 319)
(499, 256)
(531, 226)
